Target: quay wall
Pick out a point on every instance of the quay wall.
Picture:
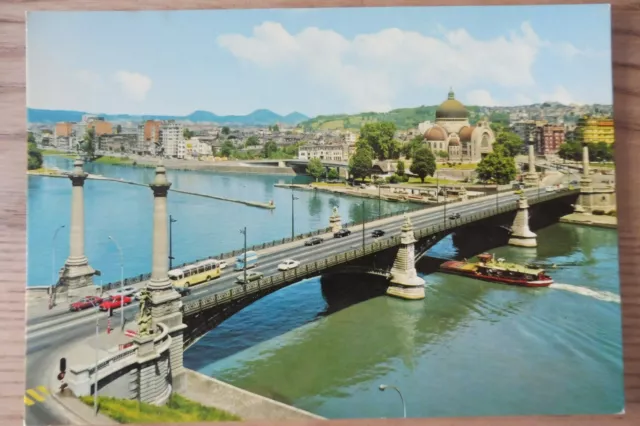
(249, 406)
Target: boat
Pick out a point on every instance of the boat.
(499, 271)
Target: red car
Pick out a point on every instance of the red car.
(85, 303)
(114, 302)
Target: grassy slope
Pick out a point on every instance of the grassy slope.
(177, 410)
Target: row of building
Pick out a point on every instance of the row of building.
(547, 137)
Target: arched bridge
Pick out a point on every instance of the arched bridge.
(360, 253)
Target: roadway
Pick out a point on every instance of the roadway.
(49, 333)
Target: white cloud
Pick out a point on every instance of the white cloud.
(133, 85)
(370, 70)
(479, 97)
(560, 94)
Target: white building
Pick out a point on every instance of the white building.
(196, 148)
(331, 152)
(172, 137)
(424, 126)
(350, 138)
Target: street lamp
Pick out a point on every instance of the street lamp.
(171, 221)
(95, 371)
(363, 220)
(121, 281)
(444, 215)
(53, 254)
(404, 407)
(293, 198)
(243, 231)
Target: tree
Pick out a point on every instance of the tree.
(118, 129)
(34, 156)
(88, 146)
(333, 174)
(424, 163)
(361, 162)
(31, 138)
(275, 128)
(225, 130)
(379, 137)
(570, 151)
(410, 147)
(269, 149)
(511, 142)
(226, 149)
(252, 141)
(187, 134)
(498, 167)
(315, 168)
(442, 154)
(400, 168)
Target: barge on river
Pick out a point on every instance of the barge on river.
(489, 269)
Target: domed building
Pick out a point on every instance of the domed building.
(452, 133)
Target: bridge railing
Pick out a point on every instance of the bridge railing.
(230, 254)
(310, 269)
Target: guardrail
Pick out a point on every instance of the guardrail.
(311, 269)
(230, 254)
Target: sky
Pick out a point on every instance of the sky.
(317, 61)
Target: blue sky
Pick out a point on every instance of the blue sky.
(317, 61)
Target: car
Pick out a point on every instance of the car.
(288, 264)
(313, 241)
(127, 291)
(251, 276)
(341, 233)
(184, 291)
(114, 302)
(377, 233)
(454, 216)
(549, 189)
(573, 182)
(222, 263)
(85, 303)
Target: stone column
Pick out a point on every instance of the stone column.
(335, 221)
(77, 275)
(166, 303)
(521, 235)
(531, 177)
(585, 160)
(585, 200)
(405, 282)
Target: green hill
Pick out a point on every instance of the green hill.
(403, 118)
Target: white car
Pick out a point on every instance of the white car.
(127, 291)
(288, 264)
(549, 189)
(223, 264)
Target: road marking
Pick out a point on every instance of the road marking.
(27, 401)
(35, 395)
(43, 390)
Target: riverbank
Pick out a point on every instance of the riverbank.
(599, 221)
(342, 189)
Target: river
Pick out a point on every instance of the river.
(469, 348)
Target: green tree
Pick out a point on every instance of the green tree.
(442, 154)
(400, 168)
(227, 149)
(252, 141)
(187, 134)
(570, 151)
(511, 142)
(410, 147)
(361, 162)
(269, 149)
(315, 168)
(31, 138)
(333, 174)
(34, 159)
(225, 130)
(498, 166)
(88, 146)
(424, 163)
(118, 129)
(379, 137)
(276, 128)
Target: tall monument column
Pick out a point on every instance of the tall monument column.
(77, 275)
(165, 301)
(521, 235)
(586, 199)
(531, 177)
(405, 282)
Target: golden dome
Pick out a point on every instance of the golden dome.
(465, 133)
(435, 133)
(451, 108)
(454, 140)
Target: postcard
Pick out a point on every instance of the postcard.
(332, 213)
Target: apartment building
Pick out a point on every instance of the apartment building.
(148, 136)
(172, 138)
(332, 151)
(195, 147)
(549, 138)
(592, 129)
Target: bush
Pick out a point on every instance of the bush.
(598, 212)
(177, 410)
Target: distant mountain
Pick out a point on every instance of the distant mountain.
(260, 117)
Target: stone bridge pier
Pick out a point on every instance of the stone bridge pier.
(405, 282)
(591, 198)
(521, 235)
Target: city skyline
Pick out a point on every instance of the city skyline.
(363, 59)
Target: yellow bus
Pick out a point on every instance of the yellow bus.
(195, 274)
